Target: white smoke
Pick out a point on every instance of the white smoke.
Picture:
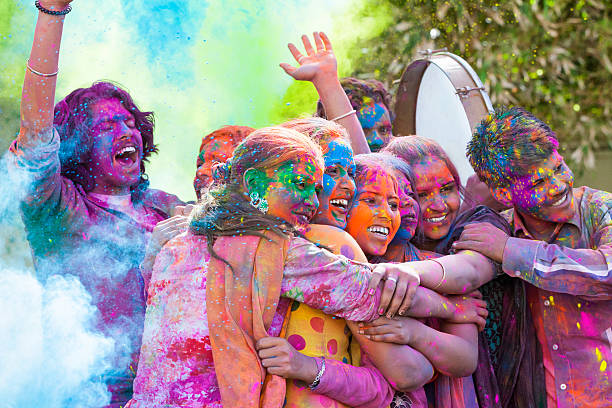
(50, 354)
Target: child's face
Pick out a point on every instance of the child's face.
(409, 208)
(375, 217)
(338, 185)
(438, 196)
(545, 191)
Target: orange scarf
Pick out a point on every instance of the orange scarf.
(241, 305)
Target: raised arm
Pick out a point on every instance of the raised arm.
(38, 94)
(319, 66)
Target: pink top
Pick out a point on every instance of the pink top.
(176, 366)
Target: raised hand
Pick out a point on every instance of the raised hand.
(282, 359)
(319, 63)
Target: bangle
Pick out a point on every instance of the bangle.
(42, 74)
(443, 274)
(349, 113)
(317, 379)
(53, 12)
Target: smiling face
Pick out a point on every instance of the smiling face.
(376, 123)
(409, 208)
(338, 185)
(438, 197)
(545, 191)
(375, 217)
(291, 191)
(117, 148)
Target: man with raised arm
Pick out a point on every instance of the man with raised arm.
(86, 207)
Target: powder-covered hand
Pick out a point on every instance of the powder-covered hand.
(280, 358)
(317, 65)
(484, 238)
(396, 330)
(163, 232)
(469, 309)
(400, 284)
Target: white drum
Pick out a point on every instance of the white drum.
(442, 98)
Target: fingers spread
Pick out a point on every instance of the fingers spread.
(318, 42)
(307, 45)
(288, 68)
(326, 41)
(295, 52)
(387, 295)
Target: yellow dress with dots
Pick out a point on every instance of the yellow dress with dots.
(316, 334)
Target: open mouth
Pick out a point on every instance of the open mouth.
(127, 156)
(340, 203)
(436, 220)
(381, 232)
(560, 202)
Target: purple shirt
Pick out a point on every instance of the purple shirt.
(573, 276)
(72, 233)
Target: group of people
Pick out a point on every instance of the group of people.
(312, 272)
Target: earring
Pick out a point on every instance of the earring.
(260, 203)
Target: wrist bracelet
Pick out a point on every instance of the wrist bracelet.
(317, 379)
(349, 113)
(53, 12)
(42, 74)
(443, 274)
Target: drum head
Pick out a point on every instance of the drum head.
(428, 104)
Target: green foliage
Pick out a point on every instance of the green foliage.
(552, 57)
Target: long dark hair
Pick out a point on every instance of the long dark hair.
(73, 120)
(225, 210)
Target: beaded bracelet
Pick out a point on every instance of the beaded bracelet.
(53, 12)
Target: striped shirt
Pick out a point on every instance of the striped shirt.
(571, 298)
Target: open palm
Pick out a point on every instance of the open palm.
(316, 63)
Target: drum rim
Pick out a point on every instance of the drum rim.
(465, 65)
(416, 71)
